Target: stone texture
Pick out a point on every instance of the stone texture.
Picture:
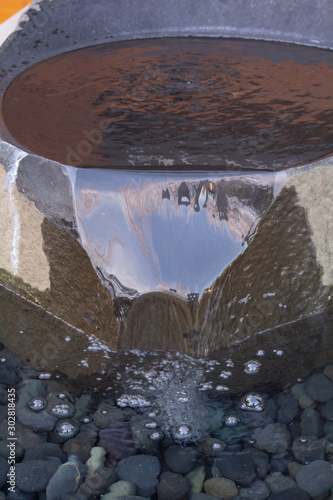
(308, 448)
(196, 478)
(172, 485)
(278, 482)
(181, 460)
(221, 488)
(311, 423)
(142, 470)
(274, 438)
(304, 400)
(34, 475)
(66, 479)
(258, 490)
(287, 408)
(238, 467)
(319, 387)
(316, 478)
(117, 440)
(291, 494)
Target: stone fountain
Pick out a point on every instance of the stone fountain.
(199, 258)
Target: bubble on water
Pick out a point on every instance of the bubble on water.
(206, 386)
(151, 425)
(184, 399)
(86, 420)
(229, 363)
(45, 376)
(68, 339)
(217, 446)
(37, 404)
(3, 360)
(105, 412)
(251, 367)
(252, 441)
(252, 402)
(222, 388)
(260, 352)
(231, 420)
(303, 440)
(62, 410)
(152, 414)
(278, 352)
(225, 374)
(156, 435)
(67, 429)
(61, 396)
(133, 401)
(183, 431)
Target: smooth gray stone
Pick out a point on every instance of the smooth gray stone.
(258, 490)
(308, 449)
(319, 387)
(238, 467)
(316, 478)
(66, 479)
(274, 438)
(34, 475)
(311, 423)
(182, 460)
(142, 470)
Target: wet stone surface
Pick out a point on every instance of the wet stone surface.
(277, 446)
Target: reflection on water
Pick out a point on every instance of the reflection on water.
(147, 232)
(176, 102)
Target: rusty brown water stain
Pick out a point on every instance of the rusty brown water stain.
(170, 102)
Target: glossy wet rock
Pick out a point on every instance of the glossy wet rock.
(142, 470)
(34, 475)
(316, 478)
(66, 479)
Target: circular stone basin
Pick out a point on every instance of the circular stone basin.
(176, 103)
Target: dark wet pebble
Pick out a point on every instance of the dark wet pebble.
(3, 394)
(141, 435)
(172, 485)
(258, 490)
(20, 495)
(142, 470)
(316, 478)
(291, 494)
(328, 430)
(8, 375)
(274, 438)
(182, 460)
(81, 444)
(267, 416)
(326, 410)
(45, 450)
(117, 440)
(311, 423)
(38, 421)
(210, 446)
(202, 496)
(287, 408)
(319, 387)
(237, 466)
(328, 371)
(308, 449)
(34, 475)
(4, 451)
(221, 488)
(97, 483)
(295, 429)
(261, 461)
(29, 389)
(280, 461)
(66, 480)
(108, 412)
(294, 468)
(278, 482)
(4, 466)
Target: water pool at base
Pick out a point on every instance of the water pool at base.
(183, 348)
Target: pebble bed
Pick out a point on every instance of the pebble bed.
(262, 446)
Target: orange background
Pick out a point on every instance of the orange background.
(10, 7)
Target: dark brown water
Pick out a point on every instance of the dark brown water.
(176, 102)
